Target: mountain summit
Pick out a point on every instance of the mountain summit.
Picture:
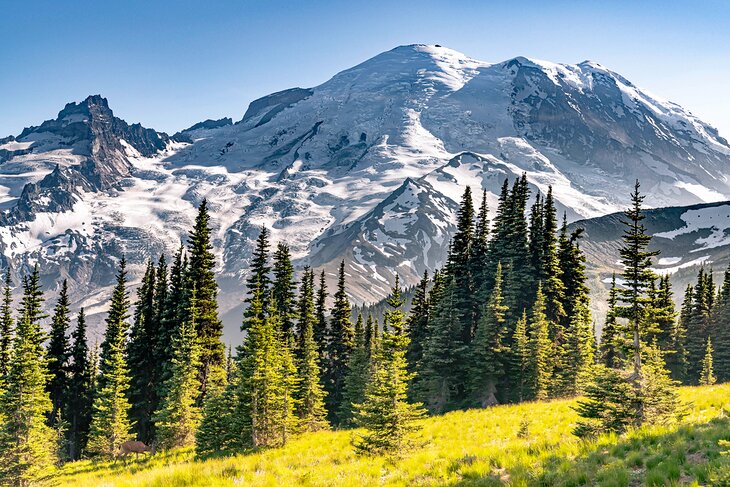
(368, 166)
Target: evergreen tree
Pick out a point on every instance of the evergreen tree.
(536, 243)
(321, 331)
(522, 356)
(341, 344)
(6, 327)
(142, 358)
(178, 416)
(171, 314)
(479, 259)
(207, 324)
(259, 272)
(459, 269)
(284, 288)
(58, 356)
(80, 391)
(215, 435)
(386, 415)
(612, 337)
(550, 275)
(27, 452)
(31, 304)
(371, 337)
(310, 410)
(417, 324)
(110, 424)
(580, 351)
(541, 371)
(698, 323)
(707, 376)
(678, 362)
(487, 361)
(357, 377)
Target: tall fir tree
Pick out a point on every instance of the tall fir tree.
(487, 360)
(142, 357)
(612, 338)
(321, 327)
(284, 288)
(259, 271)
(550, 274)
(458, 266)
(341, 343)
(27, 443)
(80, 391)
(541, 353)
(522, 358)
(31, 304)
(171, 314)
(358, 375)
(178, 416)
(310, 410)
(418, 323)
(110, 424)
(387, 416)
(698, 325)
(208, 325)
(58, 357)
(7, 325)
(707, 375)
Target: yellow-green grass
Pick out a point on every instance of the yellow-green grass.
(476, 447)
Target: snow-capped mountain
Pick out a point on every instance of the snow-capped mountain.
(369, 166)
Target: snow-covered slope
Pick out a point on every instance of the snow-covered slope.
(369, 166)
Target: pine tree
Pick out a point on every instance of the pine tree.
(321, 328)
(698, 323)
(207, 323)
(110, 424)
(215, 435)
(142, 358)
(58, 356)
(418, 323)
(80, 391)
(522, 356)
(284, 288)
(310, 410)
(178, 416)
(259, 272)
(550, 275)
(358, 375)
(31, 304)
(458, 267)
(386, 415)
(707, 376)
(341, 344)
(487, 351)
(171, 314)
(678, 362)
(27, 452)
(611, 347)
(541, 372)
(580, 351)
(6, 327)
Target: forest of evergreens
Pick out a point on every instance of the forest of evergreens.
(507, 319)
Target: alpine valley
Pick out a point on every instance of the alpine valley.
(367, 167)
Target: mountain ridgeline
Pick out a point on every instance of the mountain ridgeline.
(367, 167)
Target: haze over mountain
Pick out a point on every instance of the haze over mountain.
(369, 167)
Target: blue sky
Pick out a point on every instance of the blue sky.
(171, 64)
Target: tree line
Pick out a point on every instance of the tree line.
(506, 319)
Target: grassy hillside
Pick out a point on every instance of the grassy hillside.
(478, 447)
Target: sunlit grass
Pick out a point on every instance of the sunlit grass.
(466, 447)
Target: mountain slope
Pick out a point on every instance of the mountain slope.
(369, 166)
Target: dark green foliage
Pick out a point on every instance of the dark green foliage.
(6, 327)
(698, 325)
(386, 415)
(142, 357)
(58, 356)
(458, 266)
(284, 288)
(418, 323)
(341, 343)
(612, 338)
(110, 425)
(358, 375)
(310, 410)
(707, 375)
(608, 407)
(200, 277)
(259, 271)
(550, 273)
(27, 443)
(31, 305)
(80, 391)
(540, 373)
(521, 356)
(487, 352)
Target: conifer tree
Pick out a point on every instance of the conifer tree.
(418, 323)
(487, 351)
(310, 410)
(178, 416)
(638, 279)
(580, 350)
(438, 385)
(142, 357)
(541, 372)
(259, 270)
(550, 275)
(6, 326)
(458, 267)
(698, 323)
(31, 304)
(479, 258)
(215, 434)
(341, 343)
(386, 415)
(358, 375)
(58, 356)
(171, 314)
(371, 337)
(321, 331)
(707, 376)
(27, 451)
(522, 356)
(284, 288)
(536, 243)
(677, 359)
(80, 391)
(612, 337)
(110, 424)
(209, 327)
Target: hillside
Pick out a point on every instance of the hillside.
(476, 447)
(368, 166)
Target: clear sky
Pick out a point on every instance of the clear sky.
(171, 64)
